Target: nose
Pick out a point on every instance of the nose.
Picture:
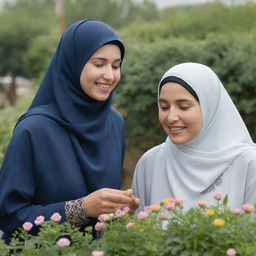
(172, 116)
(108, 74)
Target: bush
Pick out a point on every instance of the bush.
(8, 117)
(166, 230)
(230, 56)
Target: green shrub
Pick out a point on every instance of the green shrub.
(230, 56)
(166, 230)
(8, 118)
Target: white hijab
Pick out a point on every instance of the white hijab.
(193, 167)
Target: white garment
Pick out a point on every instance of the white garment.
(192, 170)
(151, 181)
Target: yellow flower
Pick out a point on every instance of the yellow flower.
(168, 200)
(209, 212)
(219, 222)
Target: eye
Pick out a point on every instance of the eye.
(98, 65)
(164, 108)
(115, 66)
(184, 108)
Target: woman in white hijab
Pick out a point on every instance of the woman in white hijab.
(208, 148)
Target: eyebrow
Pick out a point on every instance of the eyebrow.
(180, 100)
(104, 59)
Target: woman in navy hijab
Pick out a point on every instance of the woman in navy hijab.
(67, 150)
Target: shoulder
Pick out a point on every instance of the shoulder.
(247, 157)
(35, 122)
(38, 127)
(116, 116)
(152, 154)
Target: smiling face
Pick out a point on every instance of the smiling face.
(102, 72)
(179, 113)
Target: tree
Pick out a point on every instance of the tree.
(116, 13)
(17, 31)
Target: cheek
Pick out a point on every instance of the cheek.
(117, 76)
(196, 122)
(161, 117)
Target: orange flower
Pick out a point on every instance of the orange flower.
(248, 208)
(201, 203)
(219, 222)
(130, 225)
(154, 208)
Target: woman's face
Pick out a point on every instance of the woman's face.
(179, 113)
(102, 72)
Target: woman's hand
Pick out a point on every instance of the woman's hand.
(107, 200)
(134, 203)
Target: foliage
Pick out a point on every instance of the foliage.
(53, 239)
(193, 22)
(8, 117)
(166, 230)
(124, 11)
(38, 54)
(229, 55)
(216, 35)
(18, 31)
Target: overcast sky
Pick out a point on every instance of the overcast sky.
(164, 3)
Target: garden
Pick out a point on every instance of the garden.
(163, 230)
(222, 37)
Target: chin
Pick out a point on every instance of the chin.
(101, 98)
(177, 141)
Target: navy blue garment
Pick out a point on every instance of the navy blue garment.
(67, 144)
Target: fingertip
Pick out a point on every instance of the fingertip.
(129, 192)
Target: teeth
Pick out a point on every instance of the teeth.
(104, 85)
(176, 129)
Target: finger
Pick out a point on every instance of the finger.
(129, 192)
(119, 199)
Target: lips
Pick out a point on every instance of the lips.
(176, 130)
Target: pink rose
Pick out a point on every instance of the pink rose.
(142, 215)
(163, 216)
(39, 220)
(97, 253)
(170, 205)
(179, 201)
(121, 212)
(104, 217)
(218, 196)
(99, 226)
(27, 226)
(63, 242)
(231, 252)
(56, 217)
(237, 211)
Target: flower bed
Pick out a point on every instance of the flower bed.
(159, 230)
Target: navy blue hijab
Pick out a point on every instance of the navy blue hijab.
(61, 84)
(93, 125)
(67, 144)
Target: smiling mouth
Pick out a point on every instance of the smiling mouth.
(176, 128)
(104, 86)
